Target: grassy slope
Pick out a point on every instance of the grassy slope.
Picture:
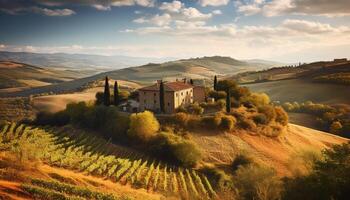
(303, 90)
(24, 76)
(277, 153)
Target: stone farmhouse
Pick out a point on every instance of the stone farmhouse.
(176, 94)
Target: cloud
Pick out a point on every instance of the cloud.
(330, 8)
(52, 12)
(174, 6)
(41, 6)
(250, 9)
(205, 3)
(217, 12)
(159, 20)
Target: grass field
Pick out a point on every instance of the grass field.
(221, 149)
(301, 91)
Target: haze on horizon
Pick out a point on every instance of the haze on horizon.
(280, 30)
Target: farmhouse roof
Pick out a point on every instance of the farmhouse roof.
(168, 86)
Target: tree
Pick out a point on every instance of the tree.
(228, 101)
(116, 94)
(143, 126)
(335, 127)
(107, 95)
(191, 81)
(215, 83)
(161, 97)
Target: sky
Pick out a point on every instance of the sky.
(280, 30)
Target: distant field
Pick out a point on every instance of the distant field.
(55, 103)
(301, 91)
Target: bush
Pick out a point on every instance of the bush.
(195, 109)
(219, 179)
(330, 178)
(260, 119)
(143, 126)
(228, 122)
(217, 94)
(257, 99)
(246, 123)
(241, 160)
(281, 116)
(173, 148)
(258, 182)
(335, 127)
(268, 111)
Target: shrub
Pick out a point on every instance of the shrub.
(330, 178)
(258, 182)
(260, 119)
(173, 148)
(217, 94)
(219, 179)
(195, 108)
(268, 111)
(281, 116)
(227, 122)
(257, 99)
(335, 127)
(246, 123)
(143, 126)
(241, 160)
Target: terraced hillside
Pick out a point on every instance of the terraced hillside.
(81, 152)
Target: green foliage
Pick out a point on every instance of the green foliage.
(281, 116)
(268, 111)
(330, 178)
(99, 98)
(334, 119)
(228, 122)
(228, 101)
(143, 126)
(257, 99)
(219, 179)
(217, 94)
(107, 95)
(161, 97)
(241, 160)
(260, 119)
(116, 99)
(176, 149)
(195, 108)
(258, 182)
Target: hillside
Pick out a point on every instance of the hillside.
(278, 153)
(15, 76)
(323, 82)
(93, 63)
(201, 68)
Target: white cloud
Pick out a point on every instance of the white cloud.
(52, 12)
(250, 9)
(174, 6)
(101, 7)
(159, 20)
(213, 2)
(217, 12)
(331, 8)
(193, 13)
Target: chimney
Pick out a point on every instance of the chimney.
(185, 80)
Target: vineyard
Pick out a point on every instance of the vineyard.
(92, 155)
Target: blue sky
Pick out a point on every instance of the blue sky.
(282, 30)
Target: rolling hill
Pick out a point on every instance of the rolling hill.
(301, 83)
(16, 75)
(201, 68)
(88, 62)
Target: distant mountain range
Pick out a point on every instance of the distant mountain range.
(197, 68)
(85, 62)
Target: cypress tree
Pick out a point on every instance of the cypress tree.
(107, 95)
(215, 82)
(228, 101)
(191, 81)
(116, 94)
(161, 97)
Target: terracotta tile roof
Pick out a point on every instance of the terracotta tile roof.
(168, 86)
